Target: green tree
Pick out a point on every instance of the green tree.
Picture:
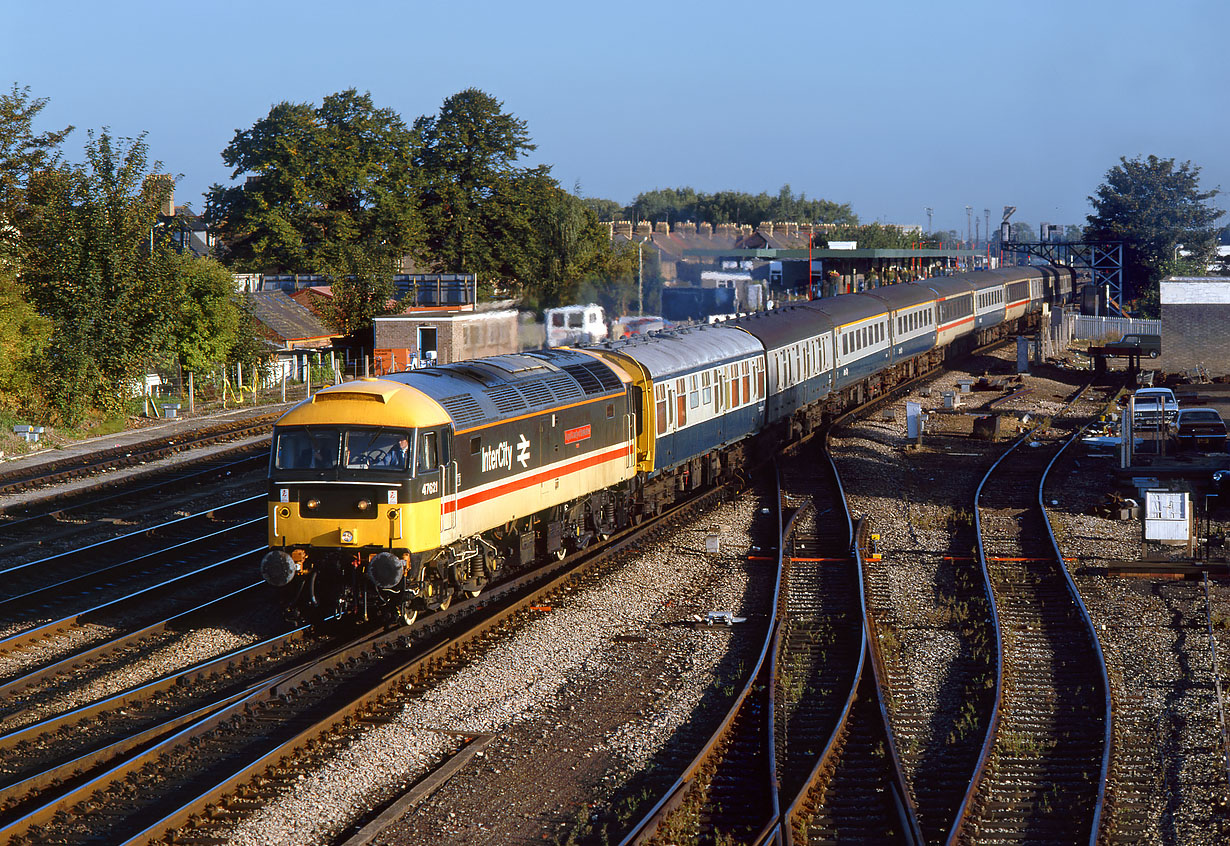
(23, 153)
(324, 188)
(92, 266)
(571, 246)
(1155, 207)
(23, 338)
(871, 236)
(211, 328)
(477, 200)
(607, 210)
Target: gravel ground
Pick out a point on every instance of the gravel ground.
(1154, 634)
(919, 500)
(579, 702)
(73, 690)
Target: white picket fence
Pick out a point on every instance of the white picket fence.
(1089, 328)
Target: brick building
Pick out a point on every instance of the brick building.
(405, 341)
(1195, 324)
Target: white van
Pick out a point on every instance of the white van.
(1155, 406)
(573, 325)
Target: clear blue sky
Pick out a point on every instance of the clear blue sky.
(889, 106)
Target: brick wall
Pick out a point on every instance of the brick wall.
(1195, 334)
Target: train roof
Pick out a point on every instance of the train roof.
(903, 294)
(784, 326)
(480, 391)
(672, 352)
(950, 286)
(847, 308)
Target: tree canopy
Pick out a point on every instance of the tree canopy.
(1154, 206)
(679, 204)
(324, 188)
(92, 266)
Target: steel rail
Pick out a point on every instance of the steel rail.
(526, 592)
(63, 469)
(415, 666)
(992, 731)
(168, 478)
(1108, 720)
(903, 797)
(647, 826)
(45, 630)
(21, 683)
(129, 536)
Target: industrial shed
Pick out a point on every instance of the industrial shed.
(406, 341)
(1195, 321)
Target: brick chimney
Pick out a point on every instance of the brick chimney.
(624, 228)
(706, 230)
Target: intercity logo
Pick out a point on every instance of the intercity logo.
(495, 457)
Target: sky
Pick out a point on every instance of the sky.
(890, 106)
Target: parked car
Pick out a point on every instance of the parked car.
(1135, 344)
(1155, 407)
(1199, 428)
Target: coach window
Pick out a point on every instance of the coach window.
(694, 393)
(661, 412)
(705, 388)
(681, 405)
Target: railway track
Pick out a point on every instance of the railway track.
(1042, 771)
(803, 754)
(36, 589)
(69, 468)
(255, 735)
(47, 523)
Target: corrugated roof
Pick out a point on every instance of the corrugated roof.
(285, 317)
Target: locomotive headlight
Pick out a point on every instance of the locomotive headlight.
(283, 512)
(347, 536)
(312, 504)
(385, 570)
(278, 568)
(363, 504)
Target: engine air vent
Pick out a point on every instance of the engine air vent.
(507, 399)
(464, 409)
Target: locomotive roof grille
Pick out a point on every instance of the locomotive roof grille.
(536, 393)
(563, 387)
(464, 410)
(507, 398)
(588, 381)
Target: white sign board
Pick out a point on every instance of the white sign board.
(913, 419)
(1167, 516)
(843, 245)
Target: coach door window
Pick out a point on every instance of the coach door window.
(681, 403)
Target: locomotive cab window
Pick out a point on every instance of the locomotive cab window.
(306, 449)
(428, 458)
(371, 449)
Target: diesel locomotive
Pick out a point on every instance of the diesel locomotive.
(388, 497)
